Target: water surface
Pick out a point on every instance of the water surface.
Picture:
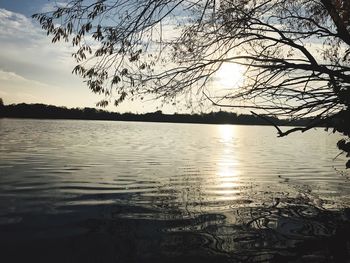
(102, 191)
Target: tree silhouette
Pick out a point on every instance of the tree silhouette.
(296, 53)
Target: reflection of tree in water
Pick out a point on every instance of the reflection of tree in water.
(288, 230)
(291, 229)
(181, 224)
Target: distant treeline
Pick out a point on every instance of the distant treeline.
(42, 111)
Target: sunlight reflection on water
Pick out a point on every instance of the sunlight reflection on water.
(227, 168)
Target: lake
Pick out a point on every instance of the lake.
(99, 191)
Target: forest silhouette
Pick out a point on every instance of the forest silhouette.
(43, 111)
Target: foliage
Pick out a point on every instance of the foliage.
(296, 53)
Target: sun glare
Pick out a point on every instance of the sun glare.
(230, 75)
(226, 132)
(227, 164)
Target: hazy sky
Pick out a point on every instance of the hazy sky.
(33, 70)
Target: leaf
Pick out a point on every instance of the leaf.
(116, 79)
(124, 72)
(120, 99)
(102, 103)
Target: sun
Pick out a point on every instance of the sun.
(230, 75)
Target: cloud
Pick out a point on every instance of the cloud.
(26, 50)
(16, 88)
(32, 69)
(14, 27)
(52, 6)
(23, 41)
(12, 77)
(9, 76)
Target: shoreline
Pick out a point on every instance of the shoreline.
(42, 111)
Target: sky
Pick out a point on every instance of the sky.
(33, 70)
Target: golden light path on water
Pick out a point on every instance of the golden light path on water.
(227, 172)
(218, 186)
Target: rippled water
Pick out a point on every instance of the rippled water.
(123, 191)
